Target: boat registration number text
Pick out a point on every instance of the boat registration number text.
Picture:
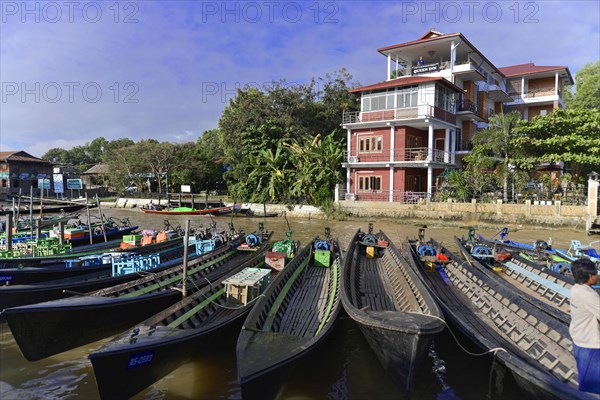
(139, 359)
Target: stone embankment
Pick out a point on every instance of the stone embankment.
(542, 215)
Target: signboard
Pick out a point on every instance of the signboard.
(44, 183)
(58, 184)
(423, 69)
(74, 184)
(186, 188)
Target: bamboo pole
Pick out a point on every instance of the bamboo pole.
(61, 233)
(185, 257)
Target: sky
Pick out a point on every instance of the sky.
(72, 71)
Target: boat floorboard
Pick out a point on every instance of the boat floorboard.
(306, 307)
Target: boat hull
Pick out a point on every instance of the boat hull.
(535, 346)
(392, 308)
(305, 299)
(83, 325)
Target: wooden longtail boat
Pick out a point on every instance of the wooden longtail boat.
(390, 305)
(45, 329)
(535, 347)
(80, 267)
(550, 296)
(296, 314)
(152, 349)
(18, 295)
(190, 211)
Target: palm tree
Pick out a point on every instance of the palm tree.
(497, 139)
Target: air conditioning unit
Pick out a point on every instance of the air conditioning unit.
(353, 159)
(350, 197)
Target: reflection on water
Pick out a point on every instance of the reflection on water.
(344, 368)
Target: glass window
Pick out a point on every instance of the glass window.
(371, 144)
(369, 184)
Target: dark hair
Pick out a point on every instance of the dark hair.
(582, 268)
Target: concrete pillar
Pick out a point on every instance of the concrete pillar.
(449, 204)
(499, 207)
(430, 143)
(429, 181)
(558, 207)
(392, 141)
(527, 207)
(389, 70)
(556, 84)
(347, 180)
(592, 208)
(474, 205)
(447, 146)
(392, 184)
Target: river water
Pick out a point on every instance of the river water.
(344, 368)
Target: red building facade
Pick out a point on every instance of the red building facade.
(418, 123)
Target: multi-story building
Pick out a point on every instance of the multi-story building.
(419, 122)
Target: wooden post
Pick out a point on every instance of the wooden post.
(14, 212)
(61, 233)
(9, 233)
(179, 199)
(89, 221)
(18, 209)
(185, 257)
(38, 230)
(206, 203)
(192, 200)
(42, 199)
(31, 212)
(101, 218)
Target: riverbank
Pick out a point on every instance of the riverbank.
(444, 214)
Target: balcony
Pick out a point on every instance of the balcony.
(467, 106)
(398, 114)
(417, 155)
(496, 93)
(532, 94)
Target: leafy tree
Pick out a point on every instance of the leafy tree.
(571, 136)
(587, 88)
(270, 171)
(56, 155)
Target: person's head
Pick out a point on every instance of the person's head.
(583, 269)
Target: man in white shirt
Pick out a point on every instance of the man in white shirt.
(585, 324)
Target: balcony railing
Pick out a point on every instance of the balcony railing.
(422, 111)
(467, 105)
(407, 197)
(533, 93)
(416, 154)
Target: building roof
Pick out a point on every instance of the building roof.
(405, 81)
(531, 68)
(20, 156)
(432, 35)
(98, 169)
